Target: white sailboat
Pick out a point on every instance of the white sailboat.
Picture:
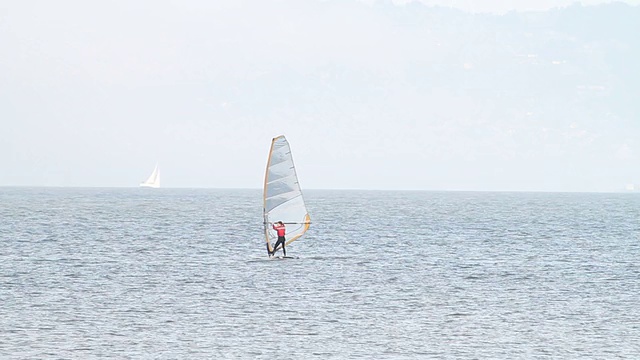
(154, 179)
(282, 197)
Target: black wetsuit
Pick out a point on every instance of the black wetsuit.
(279, 242)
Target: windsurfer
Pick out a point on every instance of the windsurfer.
(280, 229)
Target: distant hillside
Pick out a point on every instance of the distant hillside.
(553, 66)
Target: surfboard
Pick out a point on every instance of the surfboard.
(283, 257)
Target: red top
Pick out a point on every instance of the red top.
(279, 228)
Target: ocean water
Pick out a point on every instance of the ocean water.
(183, 274)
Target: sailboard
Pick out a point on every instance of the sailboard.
(282, 197)
(154, 179)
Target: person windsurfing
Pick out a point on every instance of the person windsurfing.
(281, 230)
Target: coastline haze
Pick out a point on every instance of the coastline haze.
(370, 95)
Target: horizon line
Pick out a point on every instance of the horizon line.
(622, 190)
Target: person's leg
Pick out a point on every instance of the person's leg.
(281, 243)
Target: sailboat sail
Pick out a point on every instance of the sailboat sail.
(283, 199)
(154, 179)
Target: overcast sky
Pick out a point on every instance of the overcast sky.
(95, 93)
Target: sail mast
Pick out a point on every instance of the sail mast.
(265, 217)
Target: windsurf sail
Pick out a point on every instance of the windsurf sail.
(154, 179)
(282, 196)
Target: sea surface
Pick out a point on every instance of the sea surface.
(88, 273)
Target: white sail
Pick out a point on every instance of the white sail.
(283, 199)
(154, 179)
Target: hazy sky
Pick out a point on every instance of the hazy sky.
(502, 6)
(95, 93)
